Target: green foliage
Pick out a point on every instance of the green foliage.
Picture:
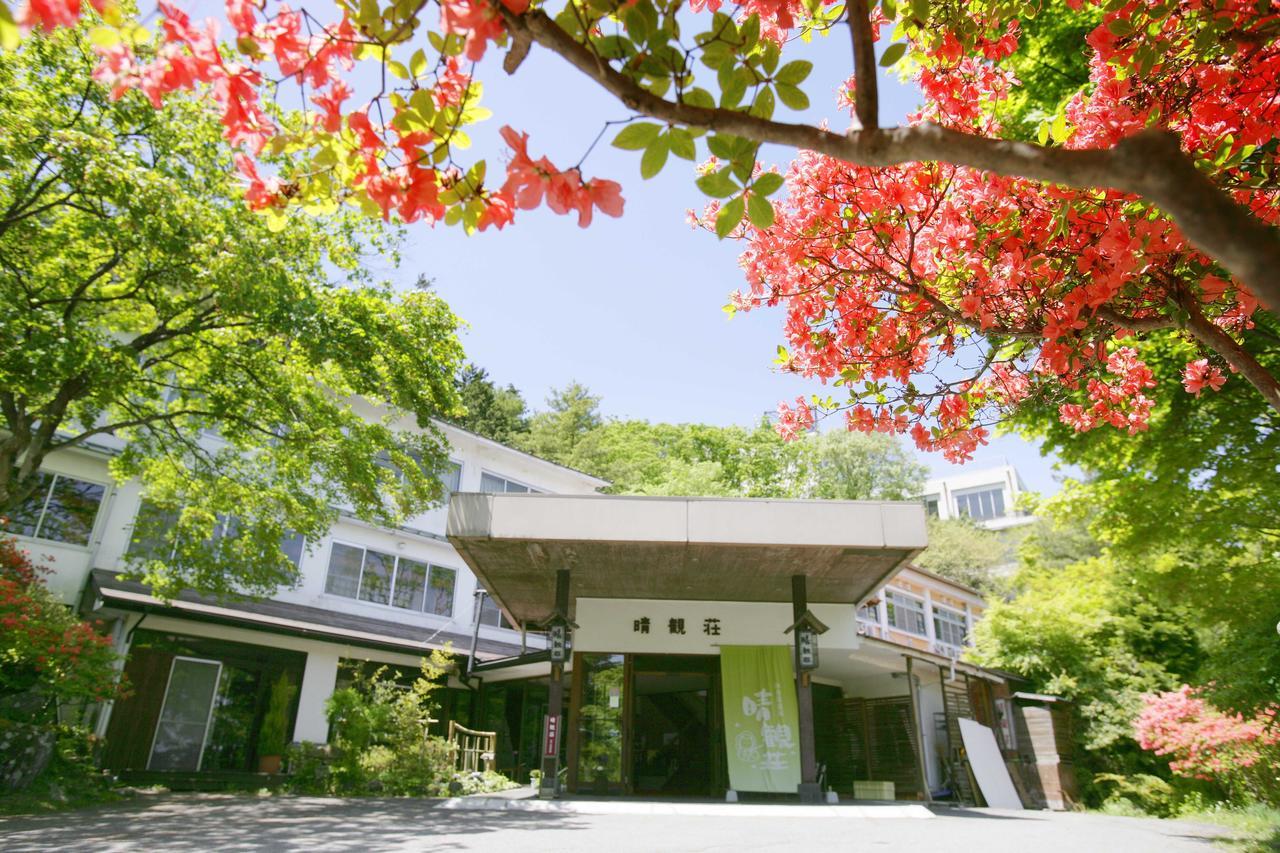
(153, 306)
(1088, 633)
(71, 779)
(273, 736)
(1149, 795)
(961, 550)
(1190, 508)
(554, 434)
(1051, 63)
(492, 411)
(380, 743)
(639, 457)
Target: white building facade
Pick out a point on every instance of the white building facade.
(989, 496)
(201, 670)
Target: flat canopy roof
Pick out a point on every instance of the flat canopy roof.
(705, 549)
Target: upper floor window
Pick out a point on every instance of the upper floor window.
(493, 484)
(950, 626)
(490, 614)
(149, 543)
(452, 479)
(982, 504)
(869, 613)
(379, 578)
(906, 612)
(60, 509)
(931, 505)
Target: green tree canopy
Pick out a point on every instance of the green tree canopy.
(491, 410)
(225, 350)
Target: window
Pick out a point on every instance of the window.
(931, 505)
(983, 504)
(906, 613)
(493, 484)
(950, 626)
(869, 613)
(379, 578)
(489, 614)
(152, 522)
(452, 479)
(61, 509)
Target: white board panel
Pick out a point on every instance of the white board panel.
(988, 766)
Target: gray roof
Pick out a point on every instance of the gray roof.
(282, 617)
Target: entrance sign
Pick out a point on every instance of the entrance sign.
(551, 737)
(760, 718)
(807, 649)
(559, 642)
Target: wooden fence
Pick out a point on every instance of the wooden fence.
(473, 750)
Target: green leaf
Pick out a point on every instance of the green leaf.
(767, 184)
(699, 98)
(655, 156)
(682, 144)
(718, 184)
(764, 104)
(794, 73)
(397, 69)
(792, 97)
(759, 211)
(418, 63)
(635, 137)
(920, 10)
(892, 54)
(729, 217)
(1059, 131)
(890, 9)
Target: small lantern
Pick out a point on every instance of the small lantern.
(807, 629)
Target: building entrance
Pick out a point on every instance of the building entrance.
(676, 740)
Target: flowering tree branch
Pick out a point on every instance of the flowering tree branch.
(1149, 164)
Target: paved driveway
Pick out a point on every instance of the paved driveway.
(237, 823)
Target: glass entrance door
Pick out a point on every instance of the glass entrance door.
(184, 718)
(675, 726)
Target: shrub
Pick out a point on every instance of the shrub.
(48, 656)
(273, 736)
(1149, 794)
(1240, 754)
(380, 743)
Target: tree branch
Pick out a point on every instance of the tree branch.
(866, 97)
(1208, 333)
(1149, 164)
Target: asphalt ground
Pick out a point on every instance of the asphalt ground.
(210, 822)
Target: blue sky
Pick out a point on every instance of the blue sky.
(629, 307)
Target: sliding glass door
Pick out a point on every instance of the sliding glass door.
(183, 726)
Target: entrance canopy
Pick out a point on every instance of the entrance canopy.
(708, 549)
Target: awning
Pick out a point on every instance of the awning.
(706, 549)
(107, 590)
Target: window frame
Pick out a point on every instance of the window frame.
(506, 479)
(219, 533)
(395, 575)
(977, 492)
(890, 595)
(54, 475)
(961, 620)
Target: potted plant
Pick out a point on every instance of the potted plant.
(273, 736)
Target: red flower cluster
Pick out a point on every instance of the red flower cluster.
(895, 280)
(1203, 742)
(529, 181)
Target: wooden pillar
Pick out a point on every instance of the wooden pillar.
(809, 790)
(915, 721)
(553, 723)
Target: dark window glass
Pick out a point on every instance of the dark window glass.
(375, 580)
(292, 546)
(411, 582)
(440, 595)
(70, 512)
(344, 570)
(148, 541)
(491, 615)
(25, 520)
